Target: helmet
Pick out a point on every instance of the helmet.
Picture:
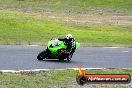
(68, 36)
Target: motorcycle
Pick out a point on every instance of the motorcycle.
(56, 52)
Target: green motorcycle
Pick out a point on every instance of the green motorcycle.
(56, 52)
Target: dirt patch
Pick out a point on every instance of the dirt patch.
(84, 19)
(117, 20)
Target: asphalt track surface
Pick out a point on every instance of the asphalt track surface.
(24, 58)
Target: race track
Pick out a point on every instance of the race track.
(24, 57)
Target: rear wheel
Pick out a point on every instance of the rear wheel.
(41, 55)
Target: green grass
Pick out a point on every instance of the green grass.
(27, 21)
(110, 71)
(49, 79)
(70, 6)
(17, 27)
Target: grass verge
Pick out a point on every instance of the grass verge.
(36, 21)
(18, 27)
(94, 7)
(55, 79)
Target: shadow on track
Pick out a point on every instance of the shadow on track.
(57, 61)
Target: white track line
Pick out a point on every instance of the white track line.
(32, 45)
(112, 47)
(126, 51)
(37, 70)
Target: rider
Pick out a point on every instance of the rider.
(70, 42)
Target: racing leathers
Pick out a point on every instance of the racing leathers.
(71, 46)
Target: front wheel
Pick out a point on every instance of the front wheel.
(69, 57)
(41, 55)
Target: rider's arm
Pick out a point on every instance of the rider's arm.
(62, 39)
